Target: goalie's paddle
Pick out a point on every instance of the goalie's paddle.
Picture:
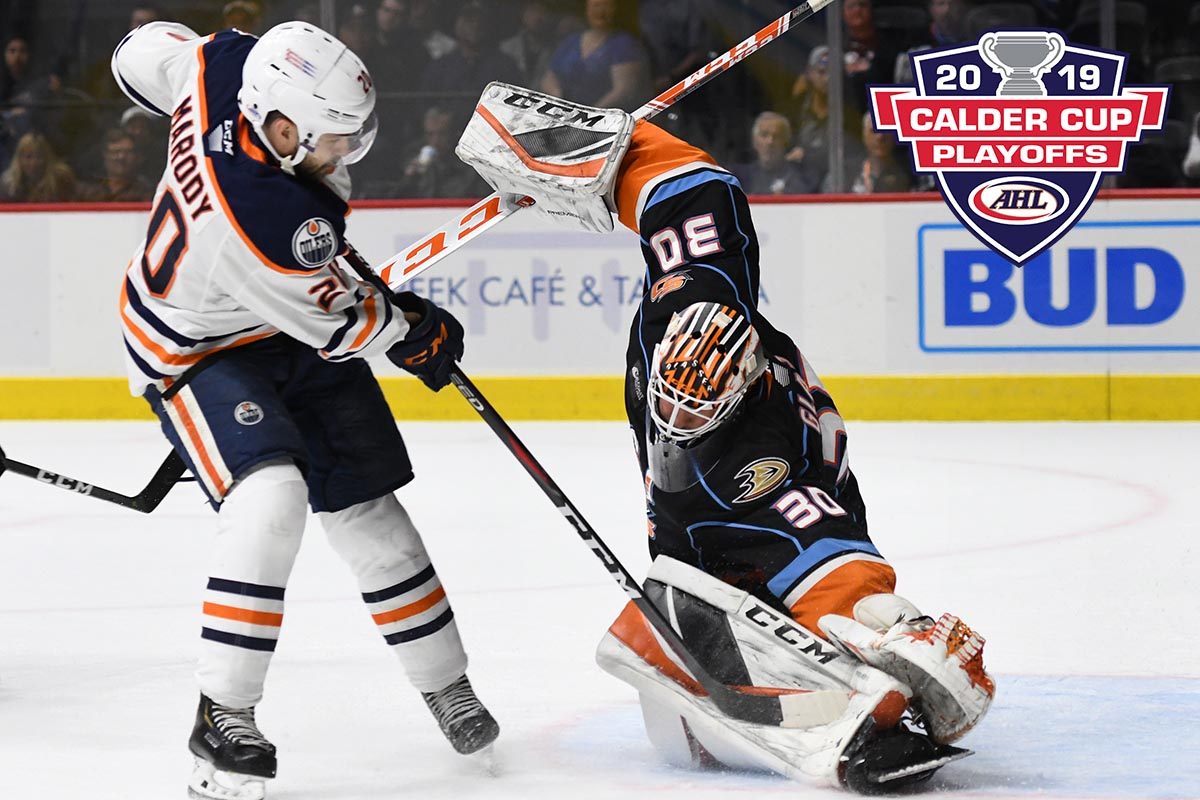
(491, 211)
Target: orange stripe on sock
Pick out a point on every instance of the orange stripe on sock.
(243, 615)
(412, 609)
(838, 591)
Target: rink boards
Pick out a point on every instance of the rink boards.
(905, 313)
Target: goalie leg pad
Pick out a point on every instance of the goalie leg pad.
(942, 662)
(829, 699)
(563, 155)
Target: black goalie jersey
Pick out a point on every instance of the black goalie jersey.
(766, 501)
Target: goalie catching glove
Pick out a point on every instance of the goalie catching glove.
(432, 345)
(563, 155)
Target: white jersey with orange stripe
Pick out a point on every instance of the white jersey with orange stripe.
(236, 250)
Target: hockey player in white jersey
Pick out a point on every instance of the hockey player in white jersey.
(248, 342)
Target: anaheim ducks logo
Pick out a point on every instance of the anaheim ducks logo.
(667, 284)
(760, 477)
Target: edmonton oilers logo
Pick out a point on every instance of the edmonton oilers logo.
(1019, 129)
(314, 243)
(248, 413)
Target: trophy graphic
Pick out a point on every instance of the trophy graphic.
(1022, 57)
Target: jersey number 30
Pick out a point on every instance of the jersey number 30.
(166, 242)
(702, 240)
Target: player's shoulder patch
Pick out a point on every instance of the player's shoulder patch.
(315, 242)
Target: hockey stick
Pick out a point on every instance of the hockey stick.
(760, 709)
(491, 211)
(145, 501)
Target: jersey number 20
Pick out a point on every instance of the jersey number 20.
(166, 242)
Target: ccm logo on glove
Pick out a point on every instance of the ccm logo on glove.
(432, 345)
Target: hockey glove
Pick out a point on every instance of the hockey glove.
(431, 346)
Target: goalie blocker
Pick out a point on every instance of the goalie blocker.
(563, 155)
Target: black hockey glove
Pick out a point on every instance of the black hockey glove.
(432, 345)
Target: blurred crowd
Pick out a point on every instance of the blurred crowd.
(67, 134)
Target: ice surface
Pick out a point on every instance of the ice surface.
(1072, 547)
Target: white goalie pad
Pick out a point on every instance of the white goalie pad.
(827, 697)
(563, 155)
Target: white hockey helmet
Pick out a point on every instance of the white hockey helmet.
(707, 360)
(315, 81)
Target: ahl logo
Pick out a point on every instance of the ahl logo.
(220, 139)
(760, 477)
(314, 243)
(248, 413)
(1019, 129)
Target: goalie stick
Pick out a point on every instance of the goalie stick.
(760, 709)
(491, 211)
(145, 501)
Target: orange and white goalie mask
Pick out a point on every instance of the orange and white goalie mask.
(707, 360)
(563, 155)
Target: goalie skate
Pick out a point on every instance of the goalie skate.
(941, 662)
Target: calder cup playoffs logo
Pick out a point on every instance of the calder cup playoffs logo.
(1019, 130)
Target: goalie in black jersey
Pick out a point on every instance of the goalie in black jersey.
(749, 491)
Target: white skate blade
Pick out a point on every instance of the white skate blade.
(209, 783)
(925, 766)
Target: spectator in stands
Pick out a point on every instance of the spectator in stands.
(880, 170)
(245, 15)
(947, 23)
(149, 134)
(354, 31)
(601, 66)
(395, 57)
(15, 74)
(678, 36)
(142, 14)
(869, 59)
(422, 18)
(1191, 162)
(771, 172)
(529, 48)
(811, 147)
(121, 182)
(434, 170)
(461, 74)
(36, 174)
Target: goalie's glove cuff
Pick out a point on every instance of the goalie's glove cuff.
(432, 345)
(563, 155)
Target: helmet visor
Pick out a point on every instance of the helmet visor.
(346, 148)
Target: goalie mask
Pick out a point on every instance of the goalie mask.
(315, 81)
(563, 155)
(706, 362)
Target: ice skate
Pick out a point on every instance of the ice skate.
(942, 662)
(233, 758)
(468, 726)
